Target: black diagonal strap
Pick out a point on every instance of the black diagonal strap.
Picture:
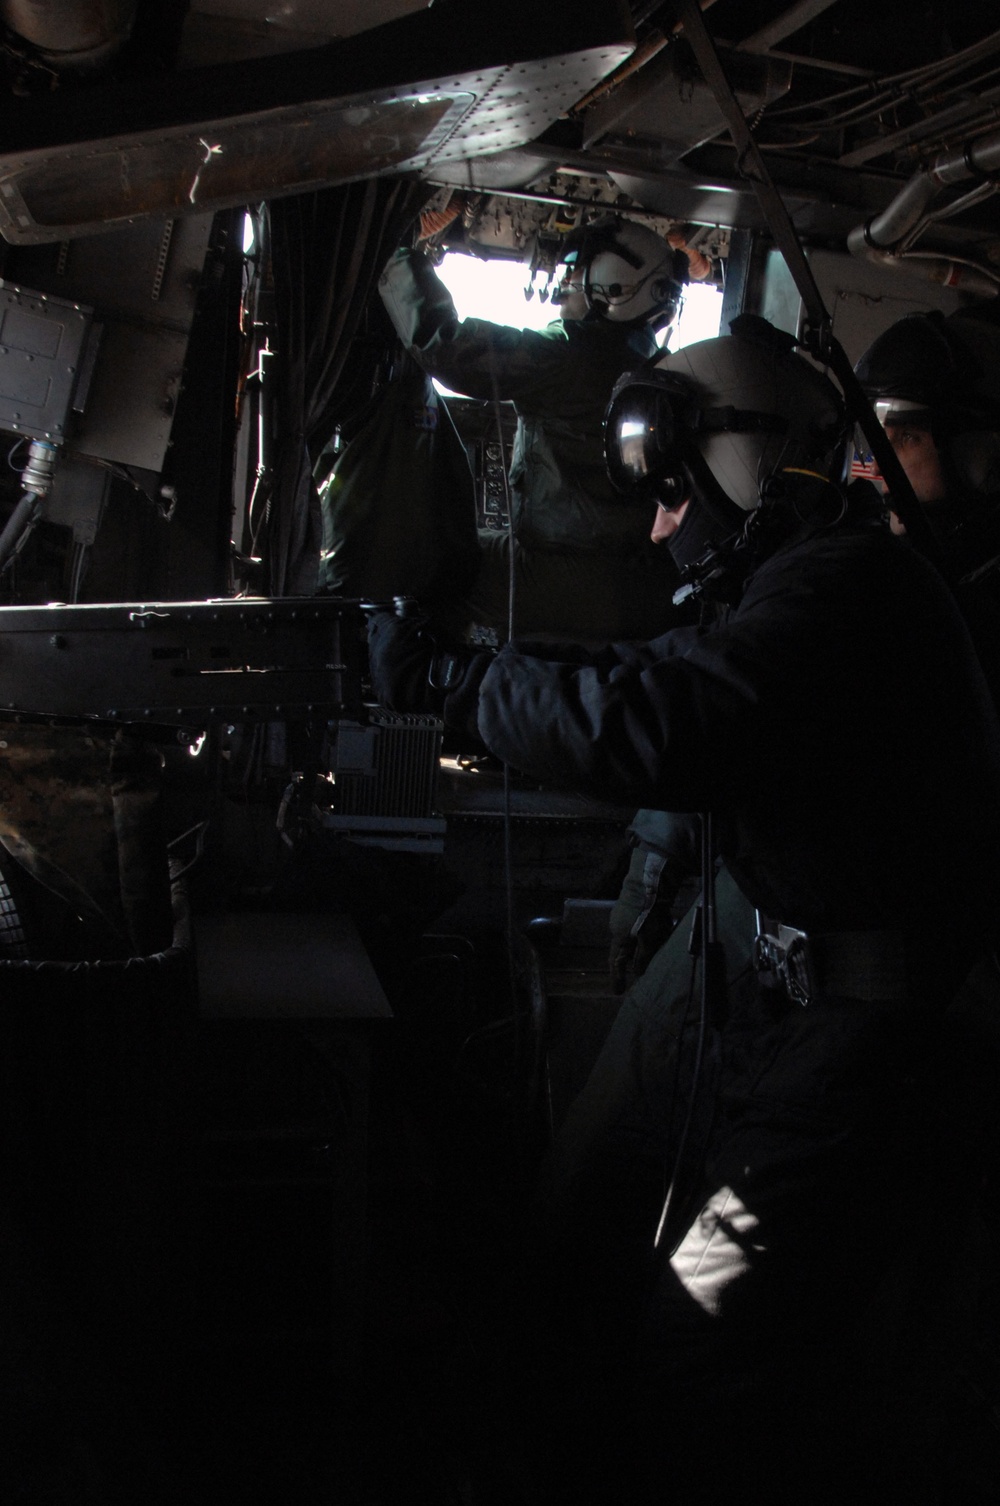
(736, 421)
(821, 341)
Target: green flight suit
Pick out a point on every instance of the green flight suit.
(584, 565)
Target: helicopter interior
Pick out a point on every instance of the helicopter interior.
(297, 989)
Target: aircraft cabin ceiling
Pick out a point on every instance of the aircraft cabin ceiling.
(137, 108)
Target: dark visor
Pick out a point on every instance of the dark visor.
(649, 427)
(639, 431)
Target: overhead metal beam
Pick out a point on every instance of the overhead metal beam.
(785, 25)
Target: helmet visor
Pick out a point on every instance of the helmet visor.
(640, 433)
(901, 410)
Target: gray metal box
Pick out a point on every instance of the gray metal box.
(42, 343)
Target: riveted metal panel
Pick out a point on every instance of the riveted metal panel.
(401, 98)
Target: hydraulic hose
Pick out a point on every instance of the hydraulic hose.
(19, 525)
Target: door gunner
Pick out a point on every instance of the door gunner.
(838, 729)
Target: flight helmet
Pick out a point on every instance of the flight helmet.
(943, 374)
(630, 274)
(724, 424)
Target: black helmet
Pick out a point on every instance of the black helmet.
(909, 369)
(719, 422)
(943, 374)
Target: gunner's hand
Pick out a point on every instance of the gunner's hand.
(413, 671)
(401, 654)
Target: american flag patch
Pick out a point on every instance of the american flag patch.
(865, 468)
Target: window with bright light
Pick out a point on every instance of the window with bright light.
(494, 290)
(700, 316)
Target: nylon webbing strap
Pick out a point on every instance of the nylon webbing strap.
(820, 341)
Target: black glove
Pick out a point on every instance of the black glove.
(401, 656)
(412, 672)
